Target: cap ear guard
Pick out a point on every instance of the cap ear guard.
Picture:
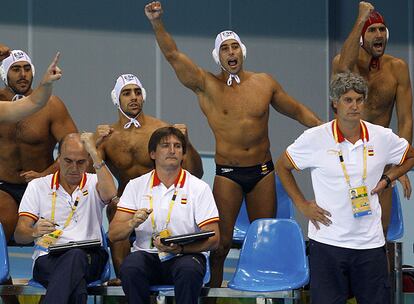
(114, 99)
(361, 39)
(216, 56)
(3, 74)
(144, 94)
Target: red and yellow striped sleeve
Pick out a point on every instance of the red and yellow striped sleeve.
(28, 214)
(209, 221)
(291, 160)
(127, 210)
(405, 154)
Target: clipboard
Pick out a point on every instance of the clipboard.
(60, 248)
(184, 239)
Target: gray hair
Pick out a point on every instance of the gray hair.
(344, 82)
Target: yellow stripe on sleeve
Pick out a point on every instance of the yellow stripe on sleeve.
(132, 211)
(405, 154)
(209, 221)
(32, 216)
(291, 160)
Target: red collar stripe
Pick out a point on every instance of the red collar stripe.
(179, 180)
(55, 181)
(339, 137)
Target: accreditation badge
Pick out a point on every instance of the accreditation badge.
(360, 202)
(46, 240)
(165, 233)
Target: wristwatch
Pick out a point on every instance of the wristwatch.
(99, 165)
(387, 179)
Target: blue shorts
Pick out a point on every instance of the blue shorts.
(336, 272)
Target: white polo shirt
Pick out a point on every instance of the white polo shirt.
(194, 206)
(87, 219)
(317, 149)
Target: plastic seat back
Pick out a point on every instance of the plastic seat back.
(396, 226)
(106, 273)
(272, 257)
(4, 257)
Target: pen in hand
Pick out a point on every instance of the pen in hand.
(56, 224)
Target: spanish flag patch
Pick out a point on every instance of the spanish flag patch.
(370, 151)
(184, 200)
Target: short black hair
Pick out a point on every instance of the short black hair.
(164, 132)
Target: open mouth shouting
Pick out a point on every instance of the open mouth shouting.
(232, 63)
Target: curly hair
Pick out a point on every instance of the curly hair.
(344, 82)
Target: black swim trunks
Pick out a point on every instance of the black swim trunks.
(246, 177)
(15, 190)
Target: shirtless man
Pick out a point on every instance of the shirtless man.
(125, 149)
(236, 103)
(388, 83)
(12, 112)
(26, 147)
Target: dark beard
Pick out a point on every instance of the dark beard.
(18, 91)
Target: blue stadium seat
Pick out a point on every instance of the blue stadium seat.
(396, 226)
(4, 257)
(272, 257)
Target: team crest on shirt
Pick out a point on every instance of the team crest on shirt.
(85, 192)
(370, 150)
(184, 199)
(332, 152)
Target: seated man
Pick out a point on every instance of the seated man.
(67, 204)
(166, 201)
(125, 151)
(347, 157)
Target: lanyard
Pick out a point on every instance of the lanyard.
(174, 196)
(55, 185)
(341, 158)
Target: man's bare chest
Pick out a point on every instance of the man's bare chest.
(28, 131)
(382, 91)
(125, 152)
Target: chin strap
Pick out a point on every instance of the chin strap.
(231, 77)
(17, 97)
(132, 121)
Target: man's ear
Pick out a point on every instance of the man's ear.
(335, 104)
(152, 155)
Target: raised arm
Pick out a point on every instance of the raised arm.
(4, 52)
(11, 112)
(189, 74)
(290, 107)
(106, 186)
(348, 57)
